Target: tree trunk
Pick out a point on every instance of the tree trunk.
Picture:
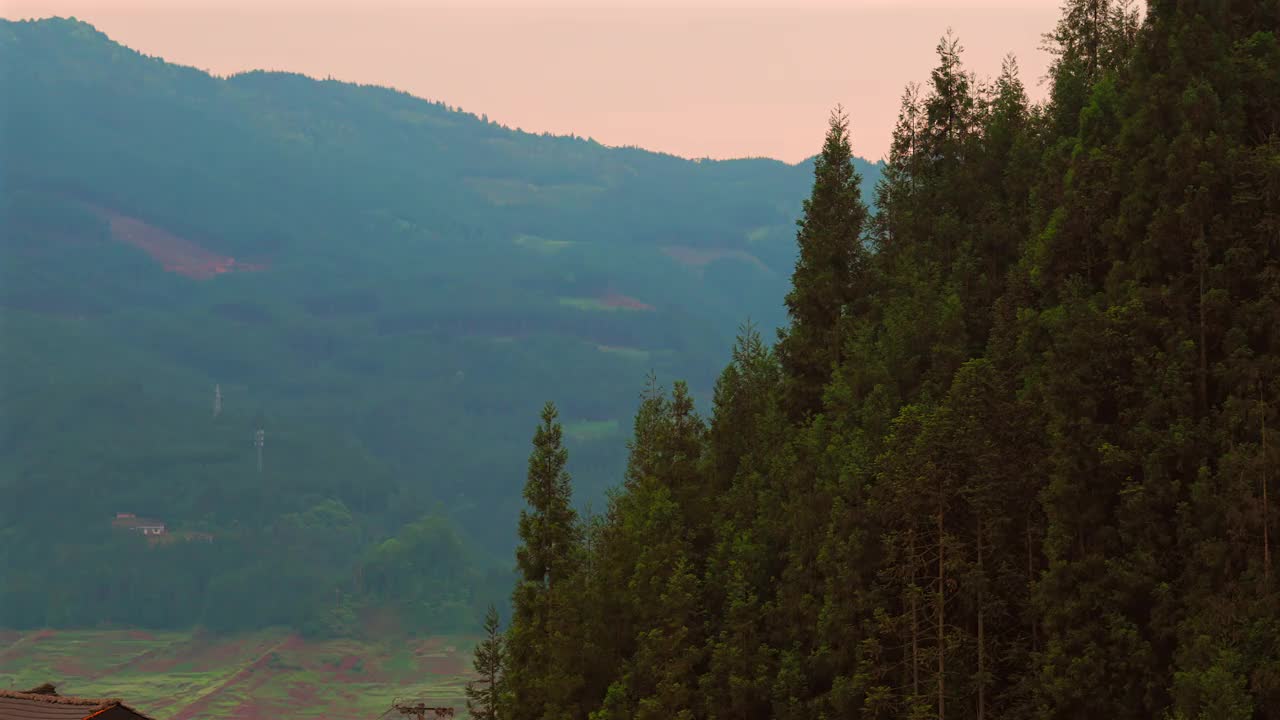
(982, 647)
(1204, 352)
(1266, 509)
(1031, 579)
(942, 619)
(915, 622)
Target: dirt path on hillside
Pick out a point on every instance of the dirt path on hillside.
(23, 639)
(134, 661)
(192, 710)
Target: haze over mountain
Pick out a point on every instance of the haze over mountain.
(388, 288)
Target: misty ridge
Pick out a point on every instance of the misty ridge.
(326, 380)
(385, 286)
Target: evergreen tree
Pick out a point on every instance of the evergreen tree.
(749, 523)
(548, 556)
(485, 696)
(949, 108)
(829, 277)
(549, 532)
(1091, 39)
(649, 547)
(1019, 461)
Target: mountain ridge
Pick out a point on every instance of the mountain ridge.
(76, 23)
(422, 281)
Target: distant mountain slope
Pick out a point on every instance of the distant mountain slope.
(372, 278)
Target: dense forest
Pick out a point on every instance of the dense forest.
(1013, 455)
(385, 286)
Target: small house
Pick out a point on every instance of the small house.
(44, 703)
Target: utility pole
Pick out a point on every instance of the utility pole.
(258, 440)
(217, 400)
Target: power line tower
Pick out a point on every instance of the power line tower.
(217, 400)
(259, 439)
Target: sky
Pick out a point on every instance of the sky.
(695, 78)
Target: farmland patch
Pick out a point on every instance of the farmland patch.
(605, 302)
(182, 676)
(589, 430)
(542, 245)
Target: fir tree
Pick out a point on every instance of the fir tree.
(549, 532)
(829, 277)
(548, 555)
(485, 696)
(1019, 461)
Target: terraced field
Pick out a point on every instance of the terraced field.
(186, 676)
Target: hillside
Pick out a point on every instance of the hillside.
(184, 676)
(387, 287)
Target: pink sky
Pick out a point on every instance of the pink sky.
(698, 78)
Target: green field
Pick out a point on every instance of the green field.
(586, 303)
(183, 676)
(542, 245)
(589, 430)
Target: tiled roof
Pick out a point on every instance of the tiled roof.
(32, 706)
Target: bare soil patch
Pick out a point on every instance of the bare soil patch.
(176, 254)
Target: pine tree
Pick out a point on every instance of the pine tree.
(829, 277)
(548, 529)
(949, 108)
(1092, 38)
(1004, 165)
(548, 556)
(1021, 463)
(649, 547)
(744, 393)
(750, 532)
(485, 696)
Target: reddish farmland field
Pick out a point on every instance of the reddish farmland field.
(184, 676)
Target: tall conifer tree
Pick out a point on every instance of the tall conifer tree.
(1037, 476)
(549, 551)
(830, 272)
(485, 696)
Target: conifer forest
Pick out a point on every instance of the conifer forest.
(1014, 454)
(996, 438)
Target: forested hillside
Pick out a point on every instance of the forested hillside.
(384, 286)
(1014, 456)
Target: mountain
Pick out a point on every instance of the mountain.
(386, 287)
